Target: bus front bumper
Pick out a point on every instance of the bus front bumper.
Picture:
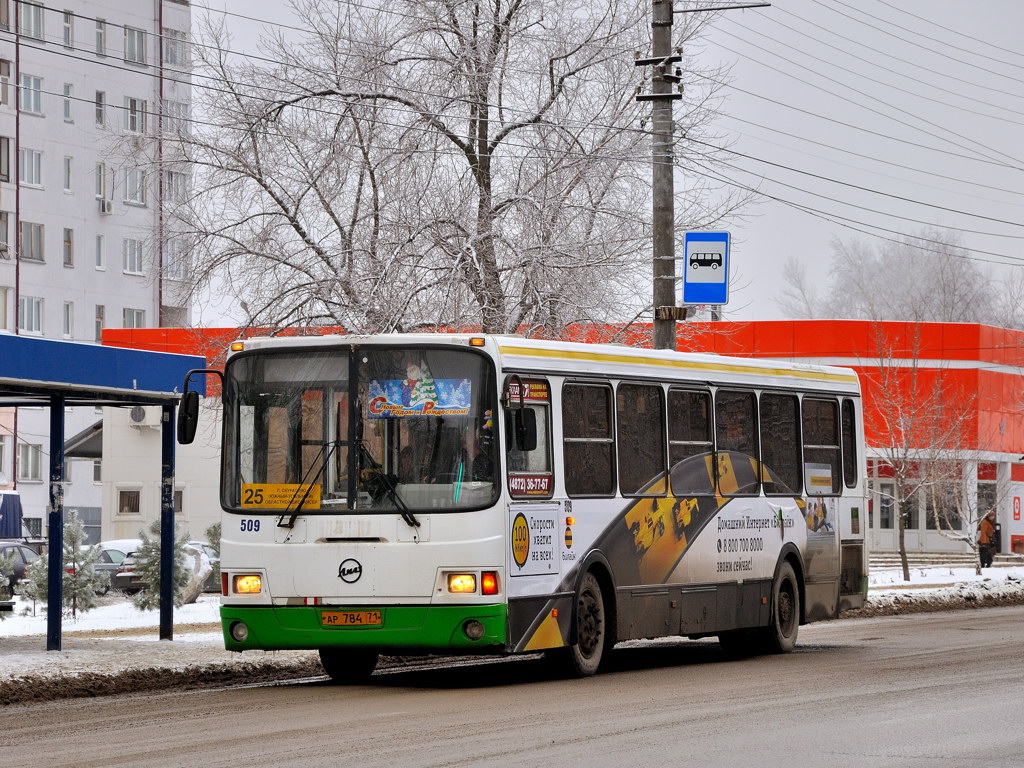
(388, 629)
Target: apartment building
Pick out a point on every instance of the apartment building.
(92, 93)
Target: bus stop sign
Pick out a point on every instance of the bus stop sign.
(706, 268)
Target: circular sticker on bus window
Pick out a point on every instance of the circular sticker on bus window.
(520, 539)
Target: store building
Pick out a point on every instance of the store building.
(957, 389)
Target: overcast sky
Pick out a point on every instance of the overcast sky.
(852, 119)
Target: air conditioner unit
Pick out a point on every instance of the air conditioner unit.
(106, 207)
(146, 415)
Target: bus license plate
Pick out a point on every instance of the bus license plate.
(351, 619)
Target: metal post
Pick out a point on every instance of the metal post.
(663, 189)
(55, 546)
(167, 532)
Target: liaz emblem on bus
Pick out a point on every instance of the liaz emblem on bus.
(280, 495)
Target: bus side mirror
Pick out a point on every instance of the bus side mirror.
(525, 429)
(188, 417)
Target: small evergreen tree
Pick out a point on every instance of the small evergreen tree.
(147, 567)
(80, 582)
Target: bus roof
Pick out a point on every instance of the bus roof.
(523, 355)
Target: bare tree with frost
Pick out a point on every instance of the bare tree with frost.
(433, 162)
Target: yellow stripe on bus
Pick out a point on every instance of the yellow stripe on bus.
(603, 357)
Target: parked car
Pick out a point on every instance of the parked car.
(22, 557)
(112, 554)
(128, 581)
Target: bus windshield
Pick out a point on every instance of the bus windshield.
(374, 429)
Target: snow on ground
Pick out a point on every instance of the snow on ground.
(114, 612)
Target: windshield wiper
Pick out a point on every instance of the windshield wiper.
(325, 452)
(387, 482)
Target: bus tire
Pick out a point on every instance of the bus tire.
(583, 658)
(780, 635)
(348, 666)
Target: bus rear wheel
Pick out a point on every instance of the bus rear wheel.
(583, 658)
(780, 635)
(348, 666)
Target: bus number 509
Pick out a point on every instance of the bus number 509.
(250, 526)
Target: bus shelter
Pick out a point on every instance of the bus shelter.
(56, 374)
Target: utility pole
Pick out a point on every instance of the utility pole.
(663, 80)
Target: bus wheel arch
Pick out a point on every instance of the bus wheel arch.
(592, 630)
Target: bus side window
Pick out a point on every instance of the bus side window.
(850, 457)
(528, 438)
(640, 415)
(821, 446)
(537, 458)
(780, 444)
(736, 440)
(588, 442)
(689, 437)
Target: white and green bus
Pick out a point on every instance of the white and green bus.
(445, 494)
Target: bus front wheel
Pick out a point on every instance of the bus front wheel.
(348, 666)
(583, 658)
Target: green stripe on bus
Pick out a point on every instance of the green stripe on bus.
(405, 628)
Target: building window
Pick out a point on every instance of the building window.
(128, 502)
(31, 237)
(101, 181)
(69, 102)
(101, 108)
(175, 117)
(174, 259)
(5, 295)
(135, 186)
(68, 166)
(32, 94)
(69, 247)
(175, 186)
(5, 80)
(97, 471)
(30, 167)
(132, 257)
(101, 314)
(5, 158)
(30, 462)
(134, 45)
(5, 15)
(135, 318)
(30, 20)
(69, 29)
(101, 37)
(134, 115)
(69, 320)
(5, 235)
(30, 314)
(101, 253)
(175, 47)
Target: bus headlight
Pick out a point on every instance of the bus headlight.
(247, 584)
(462, 583)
